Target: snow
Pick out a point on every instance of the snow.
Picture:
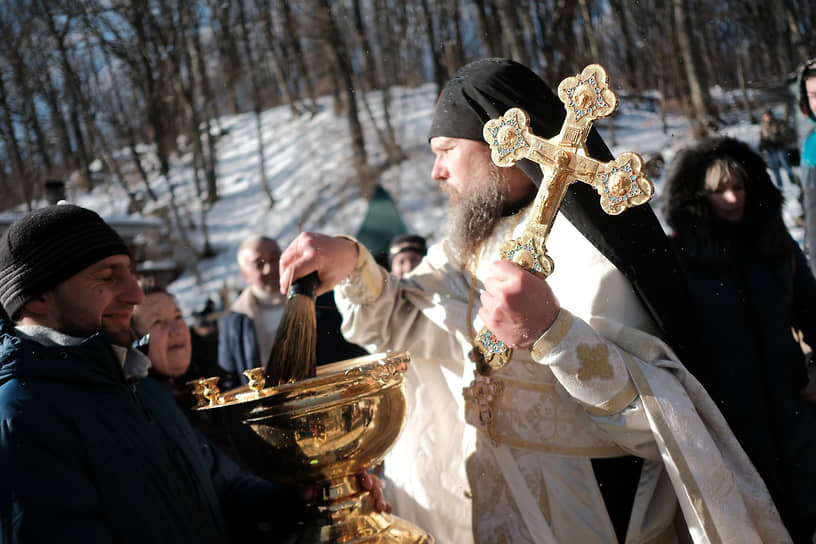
(310, 174)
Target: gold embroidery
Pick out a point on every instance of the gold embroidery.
(366, 272)
(617, 403)
(554, 335)
(594, 362)
(538, 416)
(593, 451)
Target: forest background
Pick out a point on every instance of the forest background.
(113, 92)
(82, 80)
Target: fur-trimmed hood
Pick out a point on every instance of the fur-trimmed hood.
(685, 183)
(690, 216)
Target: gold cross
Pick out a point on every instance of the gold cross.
(620, 182)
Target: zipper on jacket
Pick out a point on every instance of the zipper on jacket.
(138, 398)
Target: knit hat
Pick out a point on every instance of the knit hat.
(47, 246)
(406, 242)
(485, 89)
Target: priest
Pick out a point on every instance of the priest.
(595, 431)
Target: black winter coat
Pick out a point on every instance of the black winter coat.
(752, 287)
(86, 456)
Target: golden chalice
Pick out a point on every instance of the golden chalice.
(323, 431)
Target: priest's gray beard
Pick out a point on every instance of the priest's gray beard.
(472, 217)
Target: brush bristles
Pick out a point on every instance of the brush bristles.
(294, 351)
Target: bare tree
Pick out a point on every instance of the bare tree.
(337, 53)
(372, 79)
(12, 147)
(295, 56)
(59, 30)
(230, 59)
(257, 96)
(511, 26)
(440, 75)
(488, 27)
(702, 110)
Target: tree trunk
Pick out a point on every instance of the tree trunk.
(209, 107)
(76, 102)
(229, 58)
(336, 50)
(511, 31)
(281, 78)
(58, 122)
(439, 74)
(798, 41)
(702, 110)
(487, 29)
(257, 98)
(374, 81)
(12, 148)
(296, 56)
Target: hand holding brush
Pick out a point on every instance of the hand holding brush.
(294, 350)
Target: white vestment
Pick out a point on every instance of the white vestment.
(597, 384)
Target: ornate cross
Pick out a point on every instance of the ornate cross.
(620, 182)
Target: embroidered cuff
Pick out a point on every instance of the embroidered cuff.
(552, 336)
(588, 366)
(366, 281)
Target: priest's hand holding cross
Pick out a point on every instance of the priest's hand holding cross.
(563, 160)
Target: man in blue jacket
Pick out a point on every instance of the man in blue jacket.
(89, 452)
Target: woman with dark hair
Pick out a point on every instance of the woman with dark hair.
(752, 288)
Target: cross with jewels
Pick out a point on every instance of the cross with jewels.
(620, 182)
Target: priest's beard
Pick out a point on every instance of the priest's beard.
(472, 216)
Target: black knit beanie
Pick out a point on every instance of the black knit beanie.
(486, 89)
(47, 246)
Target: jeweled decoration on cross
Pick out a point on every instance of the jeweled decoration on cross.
(564, 160)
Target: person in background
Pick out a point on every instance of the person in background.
(774, 137)
(752, 287)
(807, 164)
(405, 252)
(166, 339)
(246, 333)
(163, 335)
(593, 432)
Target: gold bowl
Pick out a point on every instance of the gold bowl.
(323, 431)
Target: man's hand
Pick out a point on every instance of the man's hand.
(517, 306)
(375, 488)
(332, 257)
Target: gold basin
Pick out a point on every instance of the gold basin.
(323, 431)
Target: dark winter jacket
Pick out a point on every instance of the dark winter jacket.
(86, 456)
(752, 287)
(237, 348)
